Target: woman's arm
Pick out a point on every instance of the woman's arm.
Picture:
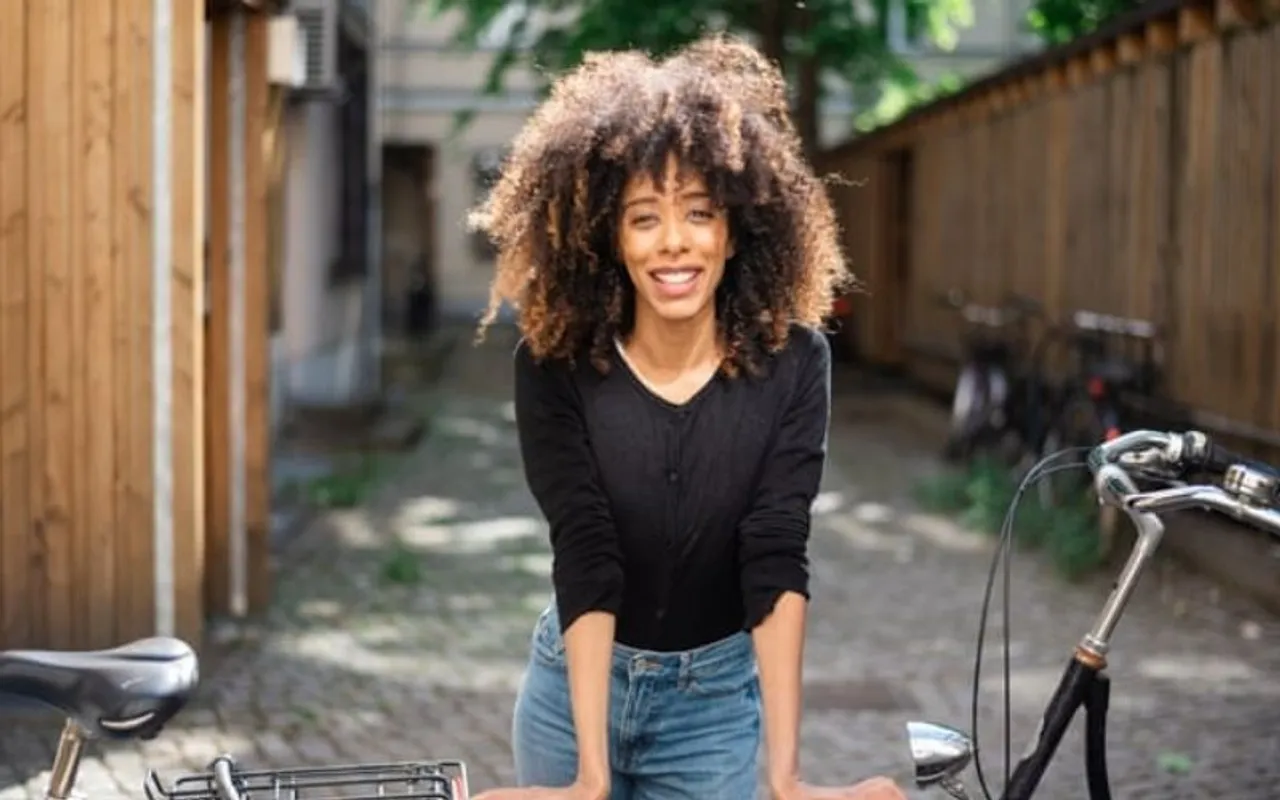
(589, 647)
(779, 646)
(774, 559)
(587, 560)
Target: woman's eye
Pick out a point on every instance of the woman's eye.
(643, 219)
(702, 214)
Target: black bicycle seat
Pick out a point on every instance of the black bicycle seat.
(123, 693)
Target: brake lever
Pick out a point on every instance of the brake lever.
(1152, 465)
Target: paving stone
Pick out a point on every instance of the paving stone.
(401, 628)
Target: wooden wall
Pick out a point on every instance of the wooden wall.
(237, 357)
(1140, 178)
(80, 199)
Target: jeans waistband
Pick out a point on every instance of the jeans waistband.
(734, 652)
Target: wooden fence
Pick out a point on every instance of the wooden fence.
(116, 520)
(100, 513)
(1136, 172)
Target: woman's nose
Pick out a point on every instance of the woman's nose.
(673, 238)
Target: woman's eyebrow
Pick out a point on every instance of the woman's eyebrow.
(635, 201)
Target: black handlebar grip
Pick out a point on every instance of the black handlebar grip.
(1208, 456)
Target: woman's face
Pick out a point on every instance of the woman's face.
(674, 244)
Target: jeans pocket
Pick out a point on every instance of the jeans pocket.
(548, 644)
(719, 683)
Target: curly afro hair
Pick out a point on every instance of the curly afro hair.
(720, 108)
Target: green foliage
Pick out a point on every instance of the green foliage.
(1059, 21)
(401, 566)
(979, 496)
(850, 41)
(349, 485)
(897, 99)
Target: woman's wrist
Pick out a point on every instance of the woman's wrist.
(594, 783)
(782, 780)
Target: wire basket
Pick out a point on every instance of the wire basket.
(410, 780)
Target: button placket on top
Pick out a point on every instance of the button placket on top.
(675, 431)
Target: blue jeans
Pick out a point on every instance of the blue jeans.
(682, 726)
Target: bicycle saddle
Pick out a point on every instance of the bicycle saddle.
(122, 693)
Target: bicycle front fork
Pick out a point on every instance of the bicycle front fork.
(1096, 703)
(1084, 684)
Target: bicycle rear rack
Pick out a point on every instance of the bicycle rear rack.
(415, 780)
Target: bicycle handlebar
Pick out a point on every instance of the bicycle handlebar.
(1094, 322)
(1249, 490)
(1015, 308)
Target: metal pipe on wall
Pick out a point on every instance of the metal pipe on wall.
(161, 315)
(237, 148)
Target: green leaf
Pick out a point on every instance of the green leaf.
(848, 40)
(1174, 763)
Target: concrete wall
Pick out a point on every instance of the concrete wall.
(319, 341)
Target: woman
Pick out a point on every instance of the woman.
(671, 257)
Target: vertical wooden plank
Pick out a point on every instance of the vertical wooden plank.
(1058, 146)
(38, 150)
(126, 118)
(20, 608)
(95, 441)
(257, 307)
(1269, 400)
(137, 570)
(1254, 150)
(217, 331)
(72, 340)
(1224, 229)
(1124, 271)
(51, 94)
(1203, 320)
(187, 154)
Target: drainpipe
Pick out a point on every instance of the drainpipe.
(238, 546)
(161, 314)
(373, 287)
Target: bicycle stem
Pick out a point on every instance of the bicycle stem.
(1114, 483)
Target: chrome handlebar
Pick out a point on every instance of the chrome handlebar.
(1249, 492)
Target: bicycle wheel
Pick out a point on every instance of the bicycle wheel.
(968, 405)
(1077, 424)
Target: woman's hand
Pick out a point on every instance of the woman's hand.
(578, 791)
(878, 788)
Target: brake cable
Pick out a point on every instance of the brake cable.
(1004, 550)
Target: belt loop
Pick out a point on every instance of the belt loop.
(685, 678)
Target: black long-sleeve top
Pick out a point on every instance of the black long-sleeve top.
(686, 521)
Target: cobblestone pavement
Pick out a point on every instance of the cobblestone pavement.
(400, 632)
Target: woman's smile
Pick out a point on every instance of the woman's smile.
(676, 282)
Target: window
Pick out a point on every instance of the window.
(353, 132)
(486, 168)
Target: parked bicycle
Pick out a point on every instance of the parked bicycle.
(997, 404)
(1241, 489)
(1115, 358)
(134, 691)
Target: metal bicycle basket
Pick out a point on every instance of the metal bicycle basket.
(410, 780)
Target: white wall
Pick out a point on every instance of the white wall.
(321, 344)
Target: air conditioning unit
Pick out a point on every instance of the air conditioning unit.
(318, 29)
(286, 55)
